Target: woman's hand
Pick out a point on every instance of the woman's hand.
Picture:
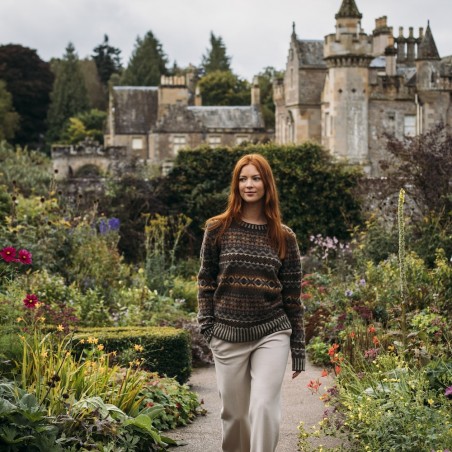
(295, 374)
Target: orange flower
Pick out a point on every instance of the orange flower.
(332, 349)
(371, 329)
(375, 341)
(324, 373)
(352, 335)
(337, 370)
(314, 385)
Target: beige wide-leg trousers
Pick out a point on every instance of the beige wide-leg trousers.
(249, 378)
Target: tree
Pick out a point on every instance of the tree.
(224, 88)
(9, 119)
(216, 58)
(108, 60)
(86, 125)
(29, 81)
(69, 95)
(96, 91)
(266, 77)
(147, 63)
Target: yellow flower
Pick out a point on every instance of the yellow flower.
(93, 340)
(430, 401)
(44, 354)
(114, 352)
(60, 328)
(42, 319)
(82, 341)
(100, 347)
(19, 319)
(138, 347)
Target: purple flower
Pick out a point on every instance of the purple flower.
(103, 227)
(113, 224)
(349, 293)
(362, 282)
(448, 392)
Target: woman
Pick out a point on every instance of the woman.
(249, 288)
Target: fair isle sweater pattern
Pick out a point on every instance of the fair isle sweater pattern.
(246, 292)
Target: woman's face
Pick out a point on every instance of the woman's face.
(251, 186)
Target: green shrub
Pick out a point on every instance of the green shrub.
(186, 291)
(165, 350)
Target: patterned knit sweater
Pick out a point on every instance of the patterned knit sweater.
(246, 292)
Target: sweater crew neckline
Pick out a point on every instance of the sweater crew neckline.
(256, 227)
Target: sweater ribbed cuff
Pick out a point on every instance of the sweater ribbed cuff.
(298, 364)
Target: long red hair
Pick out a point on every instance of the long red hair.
(276, 233)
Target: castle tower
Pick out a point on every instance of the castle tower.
(433, 101)
(347, 54)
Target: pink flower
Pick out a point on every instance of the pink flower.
(448, 391)
(8, 254)
(30, 301)
(24, 257)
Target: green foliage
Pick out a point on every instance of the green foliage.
(266, 77)
(108, 60)
(318, 352)
(24, 172)
(391, 406)
(29, 80)
(165, 350)
(316, 195)
(97, 93)
(224, 88)
(69, 95)
(9, 119)
(147, 63)
(85, 126)
(216, 58)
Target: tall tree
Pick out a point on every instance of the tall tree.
(266, 77)
(216, 58)
(224, 88)
(29, 81)
(9, 119)
(108, 60)
(147, 63)
(69, 95)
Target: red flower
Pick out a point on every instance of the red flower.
(337, 370)
(375, 341)
(352, 335)
(8, 254)
(30, 301)
(324, 373)
(25, 257)
(150, 404)
(314, 385)
(371, 329)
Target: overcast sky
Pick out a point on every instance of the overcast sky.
(256, 32)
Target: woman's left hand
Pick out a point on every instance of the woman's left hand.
(295, 374)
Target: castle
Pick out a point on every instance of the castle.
(349, 90)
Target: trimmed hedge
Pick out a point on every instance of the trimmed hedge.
(166, 350)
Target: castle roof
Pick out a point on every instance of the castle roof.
(427, 48)
(310, 52)
(135, 109)
(248, 117)
(348, 9)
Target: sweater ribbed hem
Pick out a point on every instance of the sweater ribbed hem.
(247, 334)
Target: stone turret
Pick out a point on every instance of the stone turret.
(348, 54)
(255, 92)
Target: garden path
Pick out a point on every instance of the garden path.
(298, 404)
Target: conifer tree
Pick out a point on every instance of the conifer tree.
(216, 58)
(147, 63)
(69, 95)
(108, 60)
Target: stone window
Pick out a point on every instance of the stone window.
(409, 125)
(179, 142)
(214, 141)
(241, 138)
(137, 143)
